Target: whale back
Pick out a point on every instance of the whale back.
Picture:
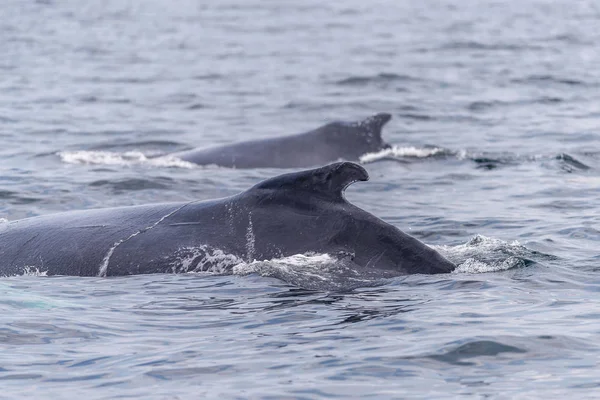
(329, 143)
(306, 211)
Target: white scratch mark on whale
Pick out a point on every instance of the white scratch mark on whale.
(104, 264)
(250, 239)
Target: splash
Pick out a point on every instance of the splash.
(313, 271)
(33, 271)
(473, 266)
(396, 151)
(309, 270)
(310, 263)
(483, 254)
(127, 158)
(204, 259)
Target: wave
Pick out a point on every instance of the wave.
(484, 105)
(407, 152)
(133, 184)
(475, 45)
(313, 271)
(467, 352)
(128, 158)
(338, 272)
(545, 79)
(155, 146)
(483, 160)
(568, 163)
(403, 154)
(482, 254)
(381, 78)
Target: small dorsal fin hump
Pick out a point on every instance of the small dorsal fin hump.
(374, 123)
(329, 181)
(369, 128)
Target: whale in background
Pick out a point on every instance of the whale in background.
(332, 142)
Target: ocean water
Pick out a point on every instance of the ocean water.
(496, 163)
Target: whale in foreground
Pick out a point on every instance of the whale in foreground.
(329, 143)
(296, 213)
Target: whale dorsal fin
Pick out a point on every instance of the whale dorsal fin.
(374, 123)
(329, 181)
(369, 129)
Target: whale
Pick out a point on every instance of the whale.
(302, 212)
(332, 142)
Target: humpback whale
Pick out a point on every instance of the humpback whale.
(295, 213)
(329, 143)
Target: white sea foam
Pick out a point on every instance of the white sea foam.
(397, 151)
(306, 270)
(314, 271)
(127, 158)
(310, 264)
(462, 154)
(472, 266)
(483, 254)
(204, 259)
(479, 255)
(33, 271)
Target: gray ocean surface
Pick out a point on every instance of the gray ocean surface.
(496, 119)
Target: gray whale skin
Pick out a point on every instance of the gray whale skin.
(332, 142)
(294, 213)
